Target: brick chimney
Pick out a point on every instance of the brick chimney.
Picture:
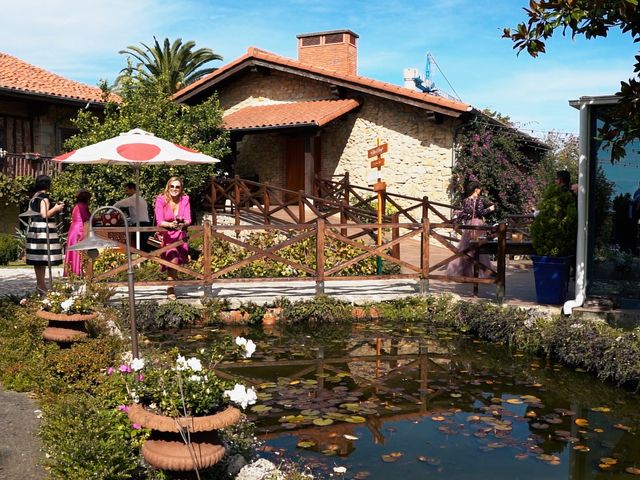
(336, 50)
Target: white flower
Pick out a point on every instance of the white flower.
(46, 302)
(137, 364)
(241, 341)
(194, 364)
(67, 304)
(195, 378)
(250, 347)
(23, 302)
(241, 395)
(134, 396)
(181, 363)
(340, 469)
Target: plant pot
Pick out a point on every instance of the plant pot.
(63, 317)
(358, 312)
(165, 448)
(234, 317)
(552, 278)
(63, 328)
(269, 319)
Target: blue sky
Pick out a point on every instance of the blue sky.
(80, 39)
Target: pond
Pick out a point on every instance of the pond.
(410, 400)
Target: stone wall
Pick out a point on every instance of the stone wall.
(418, 162)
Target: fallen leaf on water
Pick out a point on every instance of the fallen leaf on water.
(620, 426)
(388, 458)
(581, 448)
(582, 422)
(306, 444)
(608, 460)
(438, 418)
(601, 409)
(632, 470)
(598, 430)
(514, 401)
(350, 437)
(339, 469)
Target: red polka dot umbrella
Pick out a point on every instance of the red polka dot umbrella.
(135, 147)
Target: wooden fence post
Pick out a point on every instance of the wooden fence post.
(395, 234)
(206, 247)
(424, 257)
(214, 198)
(320, 223)
(502, 261)
(343, 219)
(301, 216)
(425, 207)
(266, 203)
(347, 188)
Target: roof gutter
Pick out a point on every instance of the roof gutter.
(52, 98)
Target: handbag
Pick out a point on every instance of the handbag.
(155, 240)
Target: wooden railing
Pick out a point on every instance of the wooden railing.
(27, 164)
(319, 270)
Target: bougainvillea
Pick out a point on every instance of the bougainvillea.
(505, 168)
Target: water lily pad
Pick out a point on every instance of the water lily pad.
(632, 470)
(355, 419)
(306, 444)
(260, 408)
(310, 412)
(322, 422)
(601, 409)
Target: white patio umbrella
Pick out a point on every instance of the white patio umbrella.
(135, 148)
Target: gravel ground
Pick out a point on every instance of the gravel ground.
(20, 454)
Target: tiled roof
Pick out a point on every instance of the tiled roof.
(254, 55)
(316, 113)
(20, 76)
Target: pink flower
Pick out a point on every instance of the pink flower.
(124, 368)
(23, 302)
(140, 377)
(110, 370)
(136, 426)
(123, 408)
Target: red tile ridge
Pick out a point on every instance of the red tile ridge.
(257, 53)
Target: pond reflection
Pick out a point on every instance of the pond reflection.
(384, 400)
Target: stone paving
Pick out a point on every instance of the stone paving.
(520, 289)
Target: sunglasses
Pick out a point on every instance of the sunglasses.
(175, 186)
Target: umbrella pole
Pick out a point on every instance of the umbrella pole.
(137, 167)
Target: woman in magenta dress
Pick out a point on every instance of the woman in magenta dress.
(79, 216)
(473, 212)
(173, 212)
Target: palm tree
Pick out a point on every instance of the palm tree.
(172, 65)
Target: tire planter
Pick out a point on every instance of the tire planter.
(552, 278)
(63, 328)
(165, 449)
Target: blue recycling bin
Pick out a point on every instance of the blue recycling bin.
(552, 278)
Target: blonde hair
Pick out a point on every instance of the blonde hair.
(166, 194)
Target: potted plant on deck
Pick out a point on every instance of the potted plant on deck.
(553, 234)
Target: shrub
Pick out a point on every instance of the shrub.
(85, 440)
(9, 248)
(318, 309)
(212, 308)
(175, 314)
(554, 230)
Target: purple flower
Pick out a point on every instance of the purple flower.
(124, 368)
(140, 377)
(110, 370)
(123, 408)
(136, 426)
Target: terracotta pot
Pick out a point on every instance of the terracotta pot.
(269, 319)
(138, 414)
(373, 312)
(63, 335)
(358, 312)
(63, 317)
(232, 317)
(165, 448)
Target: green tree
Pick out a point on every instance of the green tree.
(591, 19)
(172, 65)
(145, 105)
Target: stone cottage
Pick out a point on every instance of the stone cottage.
(292, 119)
(36, 107)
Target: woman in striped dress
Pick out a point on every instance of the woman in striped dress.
(39, 254)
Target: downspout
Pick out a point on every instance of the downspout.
(583, 224)
(454, 135)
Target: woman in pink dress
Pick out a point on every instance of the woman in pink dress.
(79, 216)
(472, 213)
(173, 212)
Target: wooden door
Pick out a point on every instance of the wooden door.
(294, 163)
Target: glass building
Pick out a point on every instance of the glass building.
(608, 251)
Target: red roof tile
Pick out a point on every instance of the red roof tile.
(255, 54)
(316, 113)
(20, 76)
